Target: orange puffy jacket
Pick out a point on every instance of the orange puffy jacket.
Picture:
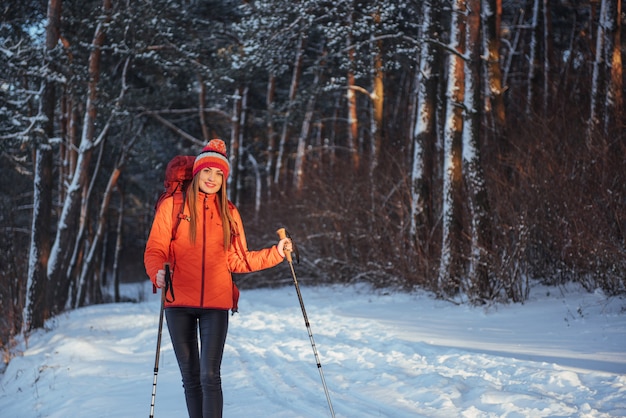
(201, 272)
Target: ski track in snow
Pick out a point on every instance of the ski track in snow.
(382, 355)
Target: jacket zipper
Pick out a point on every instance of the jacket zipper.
(203, 250)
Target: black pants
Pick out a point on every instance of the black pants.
(200, 370)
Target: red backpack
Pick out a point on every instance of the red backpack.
(178, 176)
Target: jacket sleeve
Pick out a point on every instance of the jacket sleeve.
(240, 260)
(158, 244)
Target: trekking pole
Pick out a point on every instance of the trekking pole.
(158, 347)
(282, 233)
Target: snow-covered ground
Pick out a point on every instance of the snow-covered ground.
(383, 354)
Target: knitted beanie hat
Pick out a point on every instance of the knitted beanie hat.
(213, 155)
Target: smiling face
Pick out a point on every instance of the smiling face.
(210, 180)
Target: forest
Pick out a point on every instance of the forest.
(467, 147)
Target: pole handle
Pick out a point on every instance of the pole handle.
(282, 233)
(168, 283)
(166, 267)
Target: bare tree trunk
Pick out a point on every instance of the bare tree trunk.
(495, 113)
(201, 106)
(477, 285)
(293, 90)
(378, 97)
(88, 264)
(57, 264)
(36, 310)
(451, 263)
(240, 142)
(539, 58)
(513, 48)
(425, 131)
(271, 135)
(353, 120)
(606, 92)
(332, 140)
(547, 89)
(615, 90)
(80, 241)
(298, 176)
(236, 142)
(99, 280)
(118, 247)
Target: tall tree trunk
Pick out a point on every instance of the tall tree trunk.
(88, 265)
(451, 263)
(236, 142)
(478, 285)
(606, 92)
(271, 134)
(353, 120)
(615, 90)
(293, 90)
(119, 245)
(36, 310)
(201, 106)
(495, 114)
(378, 97)
(87, 279)
(547, 88)
(81, 241)
(57, 265)
(539, 59)
(240, 142)
(298, 172)
(425, 131)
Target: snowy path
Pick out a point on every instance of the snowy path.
(394, 355)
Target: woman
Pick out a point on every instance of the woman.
(208, 246)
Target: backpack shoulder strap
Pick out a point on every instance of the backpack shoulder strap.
(178, 215)
(235, 236)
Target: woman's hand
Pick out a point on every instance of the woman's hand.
(284, 245)
(160, 278)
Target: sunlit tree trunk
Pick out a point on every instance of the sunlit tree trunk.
(36, 308)
(607, 91)
(478, 285)
(495, 114)
(451, 262)
(353, 121)
(615, 91)
(377, 96)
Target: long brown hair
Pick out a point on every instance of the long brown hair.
(228, 222)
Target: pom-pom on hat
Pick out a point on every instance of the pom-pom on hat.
(213, 155)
